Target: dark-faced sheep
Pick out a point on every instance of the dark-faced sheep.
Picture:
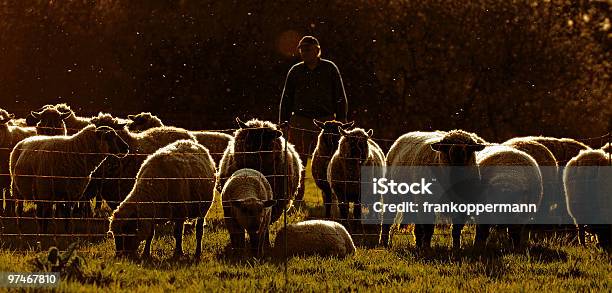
(455, 148)
(259, 145)
(327, 143)
(247, 206)
(509, 176)
(143, 121)
(314, 237)
(50, 121)
(73, 122)
(57, 168)
(114, 179)
(588, 188)
(173, 184)
(356, 149)
(9, 136)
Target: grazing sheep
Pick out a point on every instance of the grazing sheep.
(439, 148)
(50, 121)
(509, 176)
(314, 237)
(143, 121)
(247, 201)
(259, 145)
(57, 168)
(173, 184)
(564, 149)
(9, 136)
(216, 142)
(588, 189)
(327, 143)
(115, 177)
(355, 150)
(553, 201)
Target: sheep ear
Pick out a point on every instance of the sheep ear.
(35, 114)
(11, 116)
(348, 125)
(110, 234)
(65, 115)
(318, 123)
(269, 203)
(121, 125)
(370, 132)
(440, 147)
(131, 117)
(240, 123)
(342, 131)
(475, 147)
(278, 133)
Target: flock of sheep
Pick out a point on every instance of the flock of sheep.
(150, 173)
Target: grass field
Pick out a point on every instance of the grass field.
(546, 266)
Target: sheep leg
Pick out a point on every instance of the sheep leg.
(603, 233)
(327, 201)
(255, 242)
(199, 233)
(9, 209)
(385, 235)
(482, 233)
(344, 214)
(423, 234)
(515, 232)
(43, 213)
(147, 249)
(456, 233)
(178, 236)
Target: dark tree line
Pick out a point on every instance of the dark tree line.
(499, 68)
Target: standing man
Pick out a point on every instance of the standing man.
(313, 90)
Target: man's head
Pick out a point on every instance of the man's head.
(309, 49)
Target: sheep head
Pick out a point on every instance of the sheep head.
(330, 131)
(111, 142)
(256, 135)
(458, 148)
(354, 144)
(252, 213)
(50, 121)
(143, 121)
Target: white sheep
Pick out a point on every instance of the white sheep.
(588, 188)
(356, 149)
(247, 200)
(259, 145)
(215, 142)
(57, 168)
(509, 176)
(114, 179)
(173, 184)
(327, 144)
(439, 148)
(564, 149)
(10, 135)
(314, 237)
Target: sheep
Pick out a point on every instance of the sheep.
(57, 168)
(143, 121)
(50, 121)
(314, 237)
(564, 149)
(438, 148)
(216, 142)
(173, 184)
(355, 150)
(10, 135)
(259, 145)
(247, 200)
(509, 176)
(73, 123)
(553, 201)
(327, 143)
(114, 179)
(607, 148)
(588, 188)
